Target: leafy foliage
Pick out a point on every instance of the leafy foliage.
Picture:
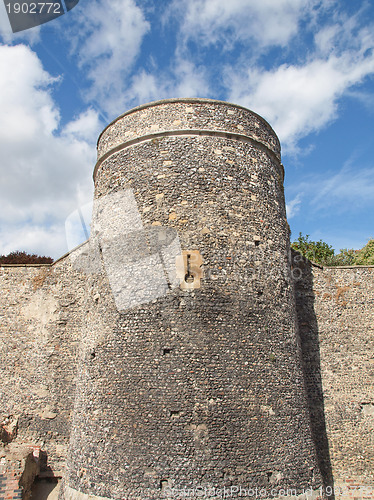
(316, 251)
(365, 256)
(346, 257)
(19, 257)
(322, 253)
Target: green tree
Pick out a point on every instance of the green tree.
(322, 253)
(365, 256)
(346, 257)
(316, 251)
(20, 257)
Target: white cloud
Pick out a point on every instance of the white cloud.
(297, 100)
(342, 32)
(86, 127)
(45, 172)
(191, 80)
(300, 95)
(145, 87)
(293, 207)
(21, 119)
(107, 40)
(267, 22)
(47, 241)
(184, 79)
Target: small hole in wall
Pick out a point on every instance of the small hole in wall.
(260, 292)
(269, 474)
(312, 474)
(189, 278)
(93, 354)
(257, 243)
(164, 483)
(174, 413)
(166, 350)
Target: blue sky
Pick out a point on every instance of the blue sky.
(307, 66)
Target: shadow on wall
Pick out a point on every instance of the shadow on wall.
(45, 489)
(309, 336)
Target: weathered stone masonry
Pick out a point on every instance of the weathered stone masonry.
(344, 305)
(211, 386)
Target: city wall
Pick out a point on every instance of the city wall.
(41, 324)
(184, 340)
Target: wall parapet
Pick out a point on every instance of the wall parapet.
(187, 114)
(25, 265)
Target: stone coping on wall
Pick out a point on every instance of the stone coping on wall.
(187, 100)
(76, 248)
(187, 116)
(319, 266)
(46, 265)
(26, 265)
(69, 252)
(348, 267)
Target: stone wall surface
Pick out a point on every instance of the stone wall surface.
(335, 309)
(336, 318)
(40, 329)
(180, 115)
(190, 387)
(344, 305)
(177, 347)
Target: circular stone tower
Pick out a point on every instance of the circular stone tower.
(190, 380)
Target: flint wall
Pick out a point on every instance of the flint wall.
(202, 386)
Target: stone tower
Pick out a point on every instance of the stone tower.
(190, 377)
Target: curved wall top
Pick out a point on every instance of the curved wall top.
(186, 117)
